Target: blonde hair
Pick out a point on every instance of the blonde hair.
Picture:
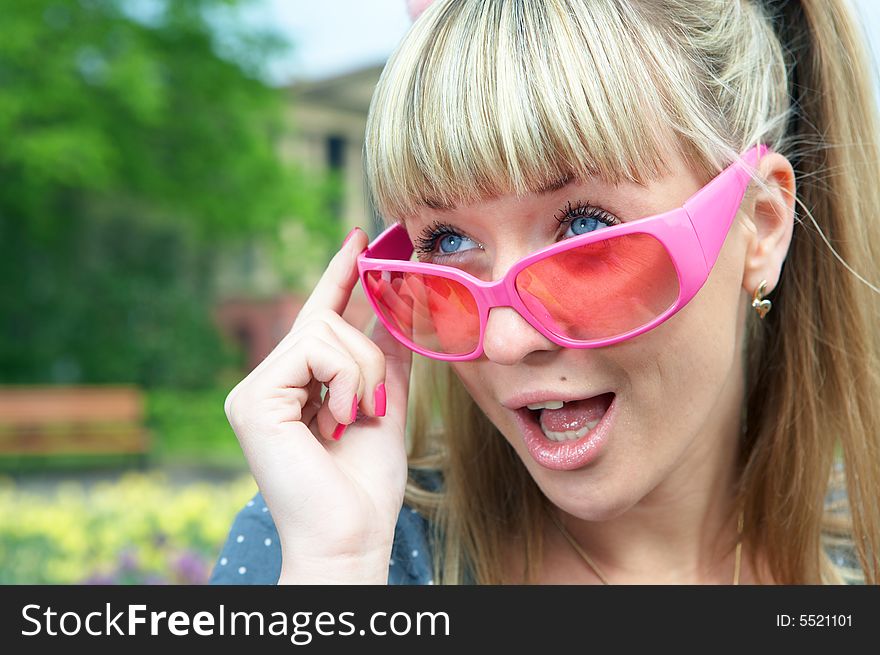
(488, 97)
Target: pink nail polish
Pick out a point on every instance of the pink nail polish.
(337, 433)
(379, 399)
(350, 234)
(340, 428)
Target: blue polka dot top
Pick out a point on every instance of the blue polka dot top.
(252, 553)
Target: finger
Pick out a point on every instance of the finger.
(333, 289)
(327, 426)
(398, 364)
(369, 356)
(398, 300)
(323, 424)
(317, 357)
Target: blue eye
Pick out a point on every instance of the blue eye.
(453, 241)
(586, 224)
(584, 218)
(444, 238)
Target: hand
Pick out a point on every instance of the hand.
(334, 502)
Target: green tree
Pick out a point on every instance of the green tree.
(136, 140)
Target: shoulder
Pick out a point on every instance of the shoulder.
(252, 554)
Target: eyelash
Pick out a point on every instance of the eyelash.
(427, 240)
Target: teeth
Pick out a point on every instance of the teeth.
(570, 435)
(549, 404)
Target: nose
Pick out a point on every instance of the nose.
(509, 337)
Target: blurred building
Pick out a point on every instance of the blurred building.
(327, 119)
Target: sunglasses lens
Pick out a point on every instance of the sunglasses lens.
(436, 314)
(601, 290)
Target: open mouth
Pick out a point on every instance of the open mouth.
(570, 436)
(572, 421)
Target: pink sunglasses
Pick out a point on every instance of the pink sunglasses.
(587, 291)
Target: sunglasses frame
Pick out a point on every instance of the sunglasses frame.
(692, 235)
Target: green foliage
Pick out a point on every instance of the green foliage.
(94, 100)
(191, 427)
(136, 146)
(122, 300)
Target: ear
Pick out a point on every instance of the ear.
(771, 222)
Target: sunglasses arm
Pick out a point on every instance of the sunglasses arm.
(393, 243)
(713, 208)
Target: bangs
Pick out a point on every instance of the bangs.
(490, 97)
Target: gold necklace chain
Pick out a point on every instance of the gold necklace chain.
(580, 551)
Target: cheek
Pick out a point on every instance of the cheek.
(680, 369)
(472, 378)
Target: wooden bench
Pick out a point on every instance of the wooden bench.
(72, 420)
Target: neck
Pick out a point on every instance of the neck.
(683, 532)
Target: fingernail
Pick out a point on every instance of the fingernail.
(350, 235)
(337, 433)
(379, 399)
(340, 428)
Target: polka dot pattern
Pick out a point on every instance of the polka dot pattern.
(252, 553)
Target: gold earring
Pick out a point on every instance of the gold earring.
(761, 305)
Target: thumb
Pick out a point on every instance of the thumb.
(398, 363)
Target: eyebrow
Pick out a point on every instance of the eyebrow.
(555, 185)
(436, 204)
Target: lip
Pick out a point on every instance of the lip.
(564, 455)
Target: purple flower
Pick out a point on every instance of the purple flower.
(190, 568)
(99, 579)
(128, 561)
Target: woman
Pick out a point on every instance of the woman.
(702, 390)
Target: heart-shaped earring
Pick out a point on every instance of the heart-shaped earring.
(761, 305)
